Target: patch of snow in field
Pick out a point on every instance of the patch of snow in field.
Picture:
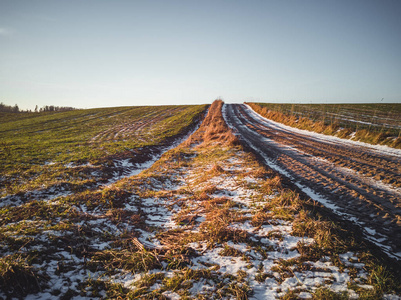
(11, 200)
(157, 213)
(172, 295)
(370, 231)
(65, 281)
(135, 169)
(148, 239)
(228, 264)
(201, 287)
(131, 208)
(391, 297)
(72, 165)
(123, 163)
(45, 194)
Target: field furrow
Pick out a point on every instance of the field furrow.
(50, 154)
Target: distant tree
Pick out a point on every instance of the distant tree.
(3, 107)
(47, 108)
(8, 108)
(53, 108)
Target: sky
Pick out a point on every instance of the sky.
(99, 53)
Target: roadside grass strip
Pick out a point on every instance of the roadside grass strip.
(206, 221)
(377, 124)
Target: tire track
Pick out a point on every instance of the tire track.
(361, 183)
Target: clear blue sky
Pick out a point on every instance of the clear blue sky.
(112, 53)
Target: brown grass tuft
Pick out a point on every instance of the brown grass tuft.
(216, 227)
(260, 218)
(271, 185)
(230, 251)
(216, 170)
(17, 276)
(214, 203)
(214, 129)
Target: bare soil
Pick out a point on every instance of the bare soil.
(362, 183)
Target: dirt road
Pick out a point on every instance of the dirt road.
(359, 182)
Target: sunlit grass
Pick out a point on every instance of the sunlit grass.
(66, 149)
(105, 241)
(370, 123)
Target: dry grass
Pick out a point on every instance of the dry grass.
(130, 260)
(230, 251)
(214, 129)
(211, 194)
(271, 185)
(216, 227)
(17, 276)
(380, 135)
(216, 170)
(175, 237)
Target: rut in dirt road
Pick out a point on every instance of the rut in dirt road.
(359, 182)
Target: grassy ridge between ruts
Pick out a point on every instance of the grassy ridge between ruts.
(76, 148)
(369, 123)
(206, 221)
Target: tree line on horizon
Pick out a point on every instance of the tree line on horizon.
(46, 108)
